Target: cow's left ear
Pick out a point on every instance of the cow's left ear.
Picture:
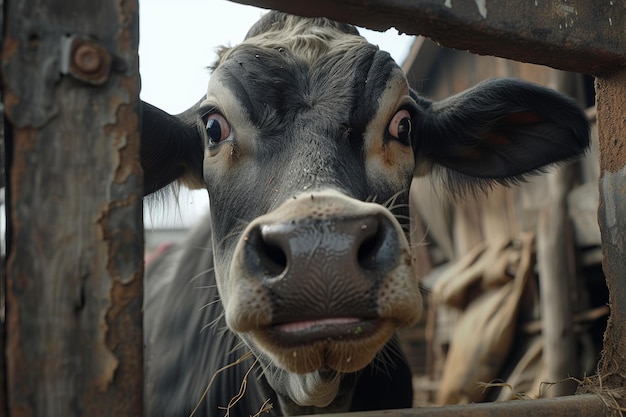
(171, 149)
(499, 130)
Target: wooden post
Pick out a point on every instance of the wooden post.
(74, 268)
(611, 102)
(557, 282)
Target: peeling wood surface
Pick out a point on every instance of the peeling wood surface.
(579, 36)
(74, 267)
(611, 102)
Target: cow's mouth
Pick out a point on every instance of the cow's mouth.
(332, 329)
(341, 344)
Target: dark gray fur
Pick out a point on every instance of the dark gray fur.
(187, 342)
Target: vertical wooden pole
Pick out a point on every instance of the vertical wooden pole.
(611, 116)
(556, 264)
(74, 268)
(557, 283)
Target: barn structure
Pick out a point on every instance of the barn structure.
(71, 329)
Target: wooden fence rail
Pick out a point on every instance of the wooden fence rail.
(573, 406)
(578, 36)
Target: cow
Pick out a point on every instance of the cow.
(307, 140)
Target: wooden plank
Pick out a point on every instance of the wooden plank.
(611, 102)
(587, 405)
(74, 268)
(578, 36)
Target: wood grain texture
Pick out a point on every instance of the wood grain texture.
(74, 268)
(579, 36)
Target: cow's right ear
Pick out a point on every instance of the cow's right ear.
(500, 130)
(171, 149)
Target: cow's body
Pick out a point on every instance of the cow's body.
(307, 141)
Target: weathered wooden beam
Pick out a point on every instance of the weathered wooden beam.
(611, 102)
(75, 259)
(587, 405)
(578, 36)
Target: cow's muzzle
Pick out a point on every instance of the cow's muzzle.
(322, 282)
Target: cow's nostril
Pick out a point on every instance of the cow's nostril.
(263, 253)
(273, 258)
(372, 239)
(271, 255)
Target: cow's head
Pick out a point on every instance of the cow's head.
(307, 141)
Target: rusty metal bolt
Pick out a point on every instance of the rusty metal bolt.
(87, 59)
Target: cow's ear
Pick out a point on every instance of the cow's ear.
(171, 149)
(499, 130)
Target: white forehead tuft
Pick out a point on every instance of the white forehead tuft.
(305, 38)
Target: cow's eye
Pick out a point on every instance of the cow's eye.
(217, 128)
(400, 126)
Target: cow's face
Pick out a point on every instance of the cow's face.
(307, 140)
(308, 164)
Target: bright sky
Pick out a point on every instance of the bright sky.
(177, 42)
